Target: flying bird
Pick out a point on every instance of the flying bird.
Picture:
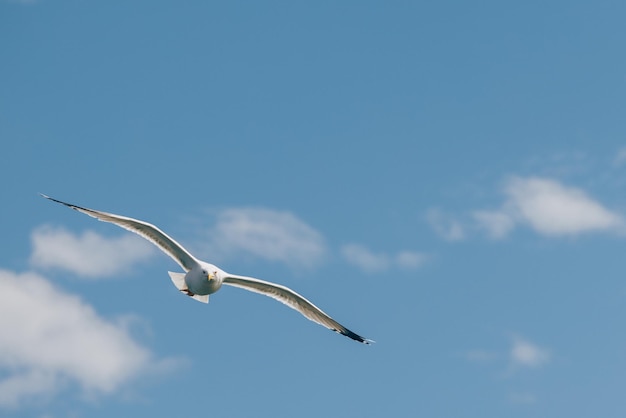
(202, 279)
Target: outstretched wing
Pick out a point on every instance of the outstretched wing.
(146, 230)
(294, 301)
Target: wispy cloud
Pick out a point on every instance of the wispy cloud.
(506, 364)
(620, 158)
(410, 260)
(524, 353)
(49, 338)
(88, 254)
(266, 234)
(365, 259)
(498, 224)
(371, 262)
(549, 208)
(447, 227)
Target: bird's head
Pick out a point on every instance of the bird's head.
(211, 273)
(205, 278)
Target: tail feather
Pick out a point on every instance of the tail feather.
(179, 280)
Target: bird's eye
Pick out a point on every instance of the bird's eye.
(204, 272)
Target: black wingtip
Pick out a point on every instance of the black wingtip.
(45, 196)
(355, 336)
(69, 205)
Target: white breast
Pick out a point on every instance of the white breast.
(198, 283)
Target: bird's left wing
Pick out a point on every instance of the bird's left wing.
(294, 301)
(146, 230)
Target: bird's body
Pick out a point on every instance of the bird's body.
(202, 279)
(197, 283)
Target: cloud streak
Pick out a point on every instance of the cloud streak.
(371, 262)
(272, 235)
(620, 157)
(445, 225)
(497, 224)
(49, 338)
(89, 254)
(523, 353)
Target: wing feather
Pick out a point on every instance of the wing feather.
(148, 231)
(293, 300)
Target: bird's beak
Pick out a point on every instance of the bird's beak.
(211, 276)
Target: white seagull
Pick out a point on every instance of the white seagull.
(202, 279)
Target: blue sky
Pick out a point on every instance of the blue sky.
(447, 179)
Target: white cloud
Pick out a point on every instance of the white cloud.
(370, 262)
(50, 339)
(445, 226)
(497, 224)
(410, 259)
(268, 234)
(89, 254)
(523, 353)
(365, 259)
(553, 209)
(549, 208)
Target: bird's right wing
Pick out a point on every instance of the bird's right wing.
(294, 301)
(144, 229)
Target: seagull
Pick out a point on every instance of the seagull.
(202, 279)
